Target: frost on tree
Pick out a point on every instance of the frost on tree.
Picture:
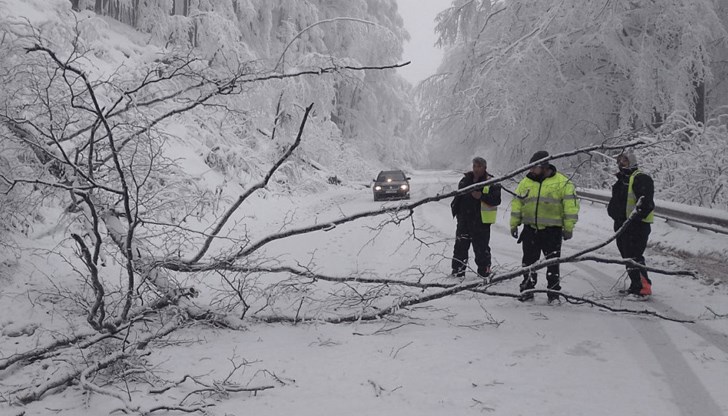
(523, 75)
(371, 110)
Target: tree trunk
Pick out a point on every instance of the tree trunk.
(181, 7)
(135, 13)
(657, 119)
(699, 114)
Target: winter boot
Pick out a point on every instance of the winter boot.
(529, 282)
(553, 297)
(553, 284)
(646, 286)
(458, 268)
(637, 297)
(526, 297)
(484, 272)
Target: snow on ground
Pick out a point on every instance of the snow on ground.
(467, 354)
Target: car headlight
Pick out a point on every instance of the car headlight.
(377, 188)
(403, 187)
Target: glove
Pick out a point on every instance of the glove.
(514, 232)
(567, 235)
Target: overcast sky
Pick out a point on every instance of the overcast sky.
(419, 20)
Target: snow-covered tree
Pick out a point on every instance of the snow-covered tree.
(141, 160)
(521, 75)
(90, 126)
(372, 111)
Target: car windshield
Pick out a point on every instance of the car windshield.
(391, 176)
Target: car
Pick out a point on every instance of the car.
(391, 184)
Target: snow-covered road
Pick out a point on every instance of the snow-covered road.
(541, 359)
(464, 354)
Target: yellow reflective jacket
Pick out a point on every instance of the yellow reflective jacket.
(632, 200)
(549, 203)
(488, 213)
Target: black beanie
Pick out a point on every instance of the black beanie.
(538, 156)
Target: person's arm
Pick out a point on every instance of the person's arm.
(457, 200)
(617, 207)
(570, 204)
(516, 206)
(644, 188)
(463, 182)
(493, 197)
(615, 211)
(455, 206)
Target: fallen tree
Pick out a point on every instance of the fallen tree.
(99, 147)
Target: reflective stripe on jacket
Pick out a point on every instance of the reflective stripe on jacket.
(488, 213)
(549, 203)
(632, 200)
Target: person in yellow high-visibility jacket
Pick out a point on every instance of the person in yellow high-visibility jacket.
(475, 212)
(547, 206)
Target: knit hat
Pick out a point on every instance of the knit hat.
(479, 161)
(538, 156)
(631, 158)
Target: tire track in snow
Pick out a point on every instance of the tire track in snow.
(715, 338)
(689, 393)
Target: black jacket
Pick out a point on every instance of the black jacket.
(466, 208)
(642, 187)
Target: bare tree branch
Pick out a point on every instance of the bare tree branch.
(193, 266)
(260, 185)
(33, 394)
(582, 300)
(482, 285)
(320, 22)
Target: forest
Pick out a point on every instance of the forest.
(524, 75)
(147, 139)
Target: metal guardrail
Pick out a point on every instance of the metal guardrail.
(693, 219)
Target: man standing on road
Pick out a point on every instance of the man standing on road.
(631, 186)
(475, 212)
(546, 205)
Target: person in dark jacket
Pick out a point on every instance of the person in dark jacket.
(475, 212)
(631, 185)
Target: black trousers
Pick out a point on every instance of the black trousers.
(478, 235)
(535, 242)
(632, 244)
